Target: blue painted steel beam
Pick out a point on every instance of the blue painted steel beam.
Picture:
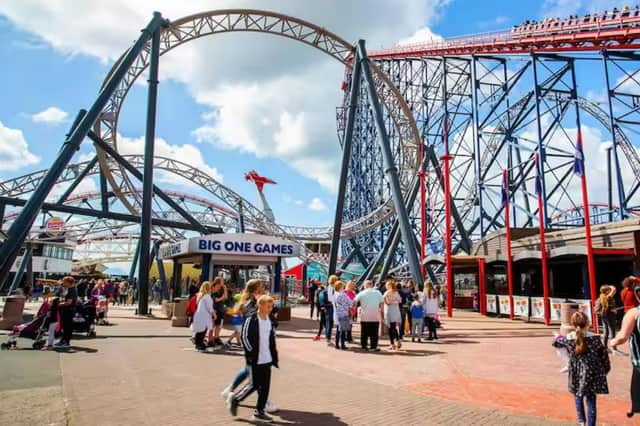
(134, 264)
(147, 181)
(391, 171)
(344, 169)
(21, 226)
(17, 278)
(77, 180)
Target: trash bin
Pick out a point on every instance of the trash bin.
(566, 311)
(12, 312)
(179, 318)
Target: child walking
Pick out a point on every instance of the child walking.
(417, 319)
(259, 342)
(588, 367)
(236, 322)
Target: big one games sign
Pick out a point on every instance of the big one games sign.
(233, 244)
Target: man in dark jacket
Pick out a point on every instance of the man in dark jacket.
(259, 342)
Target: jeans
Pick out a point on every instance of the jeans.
(261, 382)
(67, 325)
(591, 409)
(328, 312)
(369, 331)
(51, 333)
(199, 340)
(609, 323)
(323, 322)
(405, 315)
(416, 328)
(240, 377)
(431, 325)
(393, 332)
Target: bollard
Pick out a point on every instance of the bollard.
(12, 312)
(566, 311)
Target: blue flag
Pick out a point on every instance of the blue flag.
(538, 183)
(505, 187)
(578, 161)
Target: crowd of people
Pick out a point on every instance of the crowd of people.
(550, 24)
(395, 307)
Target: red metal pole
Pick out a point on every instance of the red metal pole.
(543, 259)
(590, 261)
(482, 278)
(423, 213)
(507, 223)
(447, 212)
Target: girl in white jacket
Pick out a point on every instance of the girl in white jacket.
(203, 318)
(430, 306)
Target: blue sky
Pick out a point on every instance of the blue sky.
(59, 66)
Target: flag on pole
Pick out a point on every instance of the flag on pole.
(505, 187)
(578, 157)
(538, 183)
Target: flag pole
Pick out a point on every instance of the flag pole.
(447, 212)
(423, 214)
(543, 246)
(506, 195)
(579, 169)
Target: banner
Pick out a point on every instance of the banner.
(537, 307)
(556, 307)
(585, 307)
(492, 305)
(521, 306)
(505, 304)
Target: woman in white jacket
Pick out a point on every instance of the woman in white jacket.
(430, 306)
(203, 318)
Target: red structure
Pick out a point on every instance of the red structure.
(254, 177)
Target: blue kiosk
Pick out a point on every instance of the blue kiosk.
(217, 250)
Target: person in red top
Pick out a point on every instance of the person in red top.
(628, 297)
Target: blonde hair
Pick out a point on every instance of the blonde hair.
(428, 288)
(332, 279)
(390, 285)
(264, 299)
(580, 322)
(68, 280)
(250, 290)
(205, 290)
(604, 298)
(338, 285)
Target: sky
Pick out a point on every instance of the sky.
(227, 103)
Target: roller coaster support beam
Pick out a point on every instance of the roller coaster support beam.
(134, 264)
(391, 171)
(161, 272)
(610, 93)
(78, 179)
(540, 139)
(147, 178)
(123, 217)
(157, 191)
(346, 153)
(26, 259)
(356, 252)
(21, 226)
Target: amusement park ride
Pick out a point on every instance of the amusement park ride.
(427, 132)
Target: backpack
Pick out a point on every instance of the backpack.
(192, 306)
(322, 297)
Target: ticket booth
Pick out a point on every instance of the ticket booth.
(243, 250)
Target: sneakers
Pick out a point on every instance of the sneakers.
(226, 392)
(46, 348)
(271, 407)
(232, 405)
(315, 339)
(261, 417)
(61, 344)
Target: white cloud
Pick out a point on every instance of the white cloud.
(268, 96)
(423, 35)
(187, 153)
(52, 115)
(317, 204)
(14, 150)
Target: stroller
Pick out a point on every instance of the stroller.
(34, 330)
(84, 319)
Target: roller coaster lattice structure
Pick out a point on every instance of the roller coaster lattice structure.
(504, 98)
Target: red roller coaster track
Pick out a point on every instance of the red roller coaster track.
(588, 33)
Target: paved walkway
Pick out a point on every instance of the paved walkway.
(482, 371)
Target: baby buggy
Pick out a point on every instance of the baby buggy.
(84, 319)
(34, 330)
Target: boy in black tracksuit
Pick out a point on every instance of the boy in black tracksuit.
(259, 342)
